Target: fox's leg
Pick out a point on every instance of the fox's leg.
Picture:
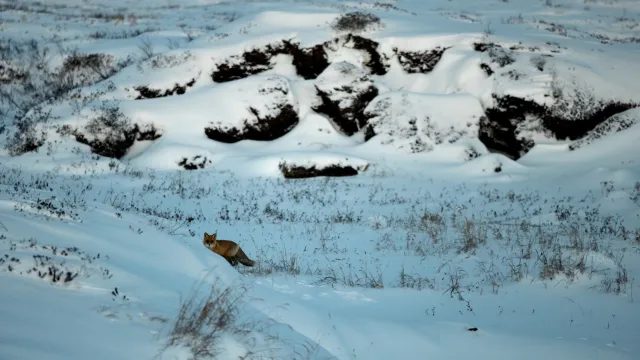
(232, 260)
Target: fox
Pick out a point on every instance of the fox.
(228, 249)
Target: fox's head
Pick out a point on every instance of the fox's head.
(210, 241)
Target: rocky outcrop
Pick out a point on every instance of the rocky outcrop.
(271, 115)
(509, 124)
(309, 62)
(344, 91)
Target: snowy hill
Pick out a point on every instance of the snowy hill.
(415, 179)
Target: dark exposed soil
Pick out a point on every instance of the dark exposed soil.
(117, 146)
(309, 62)
(149, 93)
(351, 119)
(302, 172)
(420, 61)
(576, 129)
(265, 129)
(375, 63)
(487, 69)
(498, 131)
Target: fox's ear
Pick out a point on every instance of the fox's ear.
(205, 234)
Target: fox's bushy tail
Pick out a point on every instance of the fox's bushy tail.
(244, 259)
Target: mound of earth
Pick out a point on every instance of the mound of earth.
(111, 133)
(614, 124)
(344, 91)
(115, 142)
(415, 123)
(309, 62)
(511, 126)
(267, 111)
(419, 61)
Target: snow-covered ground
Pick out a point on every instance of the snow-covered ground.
(493, 209)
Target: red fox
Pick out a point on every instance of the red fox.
(227, 249)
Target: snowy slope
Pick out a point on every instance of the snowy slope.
(494, 210)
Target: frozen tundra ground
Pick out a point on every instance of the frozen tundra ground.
(488, 205)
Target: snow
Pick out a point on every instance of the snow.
(438, 248)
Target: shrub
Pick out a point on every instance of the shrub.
(27, 136)
(204, 317)
(356, 21)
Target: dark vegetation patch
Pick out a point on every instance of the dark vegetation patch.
(419, 61)
(500, 130)
(30, 133)
(148, 93)
(57, 265)
(196, 162)
(291, 171)
(10, 73)
(262, 128)
(356, 21)
(30, 84)
(87, 68)
(49, 207)
(496, 52)
(111, 133)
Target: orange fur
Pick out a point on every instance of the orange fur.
(227, 249)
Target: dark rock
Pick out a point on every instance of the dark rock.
(301, 172)
(345, 91)
(420, 61)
